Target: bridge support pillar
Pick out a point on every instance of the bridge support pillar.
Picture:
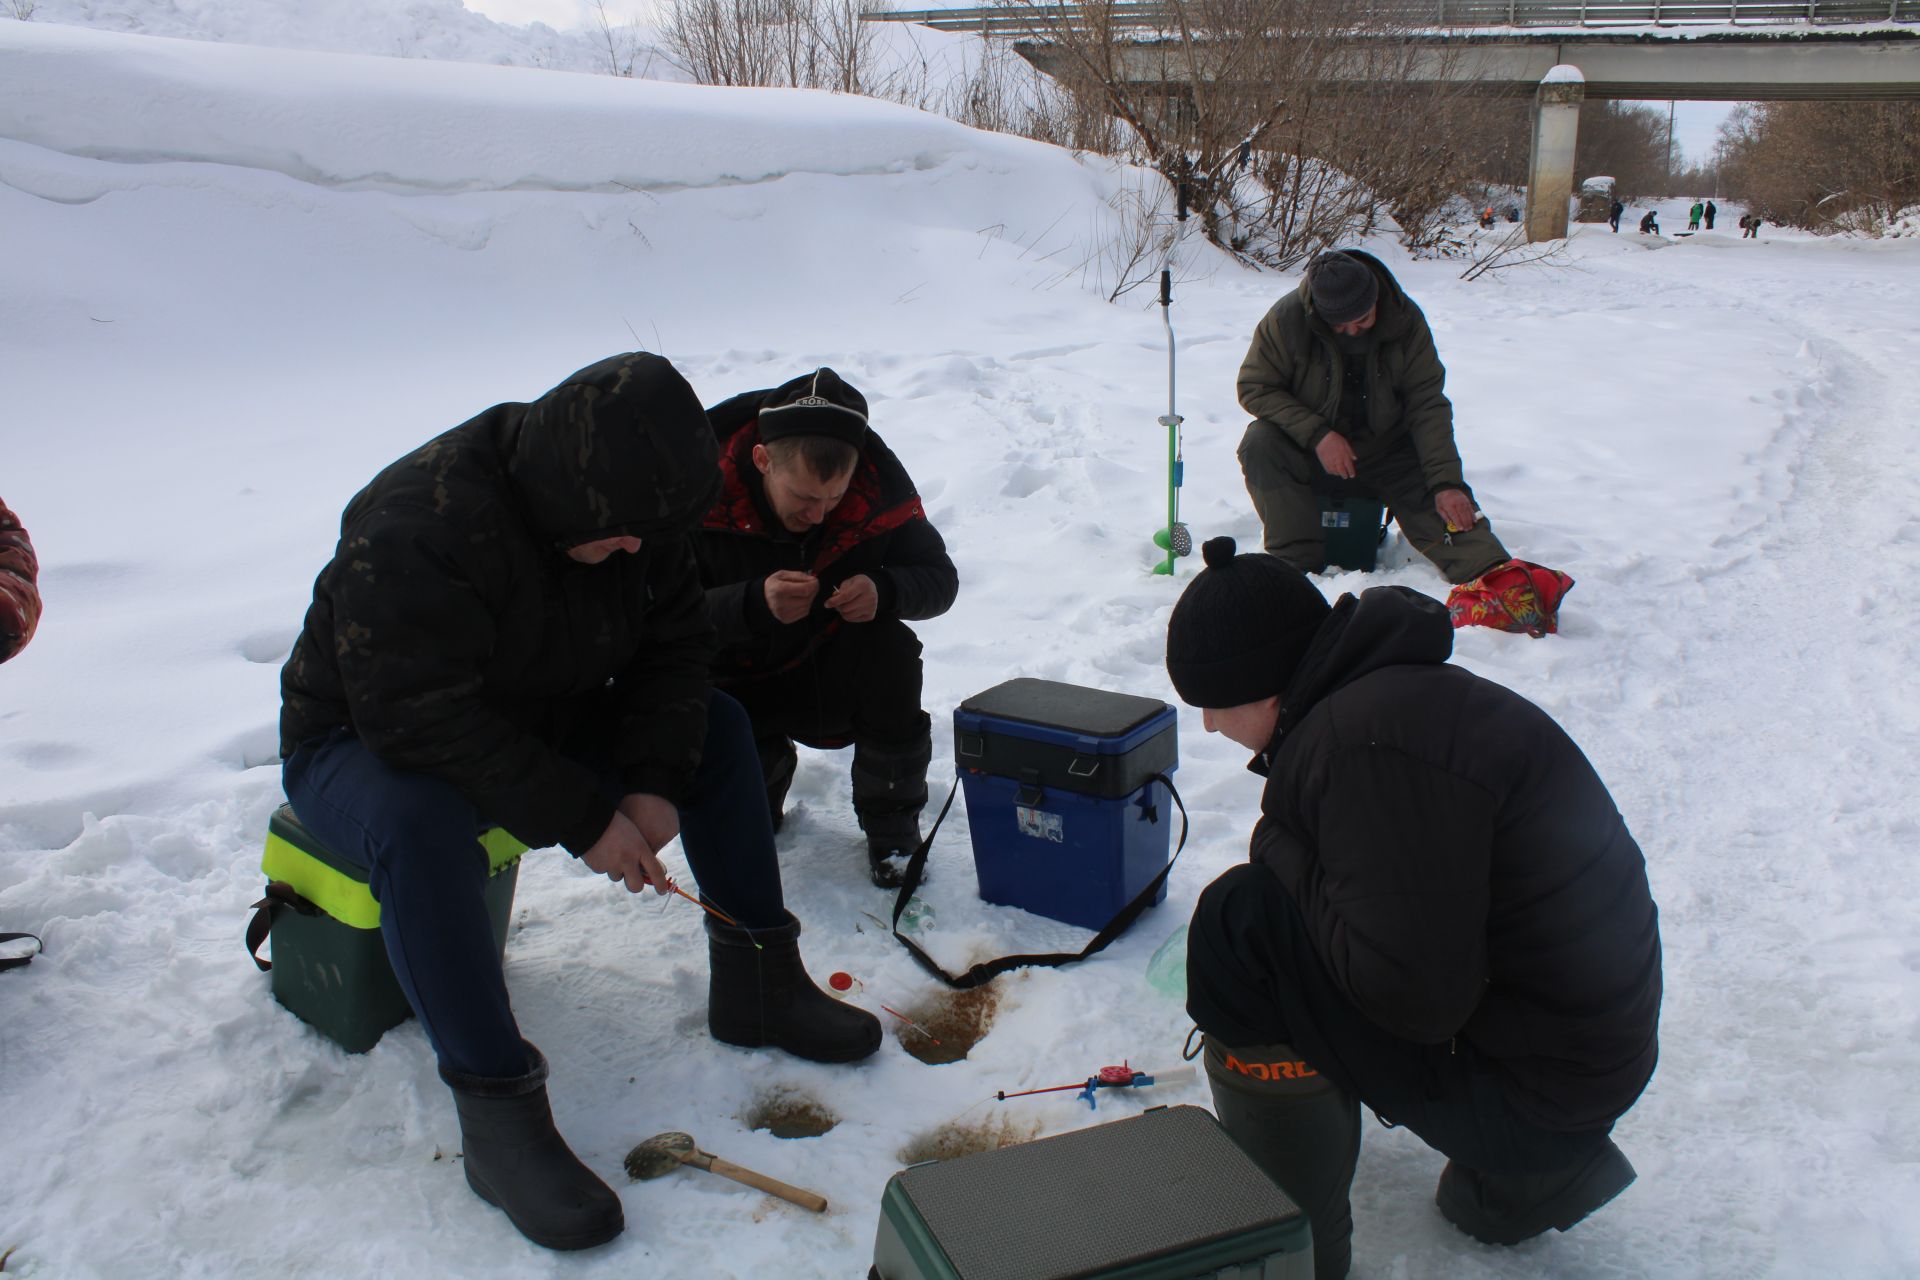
(1556, 128)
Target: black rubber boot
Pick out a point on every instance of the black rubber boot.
(518, 1161)
(762, 997)
(1301, 1129)
(1507, 1208)
(778, 760)
(891, 840)
(889, 791)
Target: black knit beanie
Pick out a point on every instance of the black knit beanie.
(1240, 628)
(1343, 287)
(815, 404)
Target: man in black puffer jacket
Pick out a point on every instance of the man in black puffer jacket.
(1444, 916)
(816, 555)
(511, 632)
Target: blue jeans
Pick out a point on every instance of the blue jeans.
(416, 838)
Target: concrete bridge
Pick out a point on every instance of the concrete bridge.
(1557, 51)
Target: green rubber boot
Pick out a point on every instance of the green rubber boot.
(1301, 1129)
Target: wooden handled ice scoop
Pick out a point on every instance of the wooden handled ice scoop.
(665, 1152)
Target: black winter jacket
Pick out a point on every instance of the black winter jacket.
(879, 529)
(1461, 868)
(453, 634)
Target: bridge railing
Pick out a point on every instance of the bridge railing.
(1020, 19)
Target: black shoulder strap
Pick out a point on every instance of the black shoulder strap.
(15, 962)
(987, 970)
(280, 896)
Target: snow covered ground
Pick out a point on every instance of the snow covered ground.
(237, 281)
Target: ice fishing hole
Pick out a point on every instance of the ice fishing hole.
(790, 1115)
(958, 1139)
(950, 1025)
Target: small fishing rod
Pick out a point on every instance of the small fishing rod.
(1120, 1077)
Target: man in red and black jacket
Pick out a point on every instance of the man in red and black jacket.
(815, 556)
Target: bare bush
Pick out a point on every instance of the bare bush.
(1627, 142)
(1510, 249)
(621, 42)
(21, 9)
(802, 44)
(1285, 119)
(1823, 166)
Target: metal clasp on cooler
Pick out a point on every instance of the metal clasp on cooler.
(1083, 766)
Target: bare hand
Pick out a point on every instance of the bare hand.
(857, 599)
(790, 594)
(622, 855)
(655, 816)
(1336, 455)
(1456, 508)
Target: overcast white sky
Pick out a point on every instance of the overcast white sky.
(1694, 127)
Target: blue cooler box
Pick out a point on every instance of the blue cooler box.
(1067, 822)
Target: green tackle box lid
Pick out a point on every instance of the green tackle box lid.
(1162, 1194)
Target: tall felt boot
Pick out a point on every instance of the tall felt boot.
(889, 791)
(1506, 1208)
(762, 996)
(517, 1161)
(1301, 1129)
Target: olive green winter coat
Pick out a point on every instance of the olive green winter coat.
(1293, 373)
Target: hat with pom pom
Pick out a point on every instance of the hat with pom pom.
(1240, 628)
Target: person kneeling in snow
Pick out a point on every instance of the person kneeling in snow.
(1444, 916)
(512, 632)
(815, 556)
(1348, 396)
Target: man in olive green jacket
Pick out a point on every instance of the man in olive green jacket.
(1348, 397)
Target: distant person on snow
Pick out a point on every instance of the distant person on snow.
(1486, 218)
(1693, 216)
(1650, 224)
(1444, 919)
(1710, 211)
(1613, 215)
(512, 632)
(1749, 226)
(1348, 396)
(19, 586)
(815, 556)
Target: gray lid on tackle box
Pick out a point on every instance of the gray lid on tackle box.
(1050, 734)
(1166, 1193)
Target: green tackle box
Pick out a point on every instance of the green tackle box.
(1165, 1195)
(1352, 528)
(329, 963)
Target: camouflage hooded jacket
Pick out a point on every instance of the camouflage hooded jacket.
(455, 637)
(1294, 371)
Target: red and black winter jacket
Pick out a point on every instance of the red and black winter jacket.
(19, 586)
(879, 529)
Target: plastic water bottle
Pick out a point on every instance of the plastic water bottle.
(1167, 971)
(918, 915)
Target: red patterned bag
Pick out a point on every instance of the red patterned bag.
(1515, 596)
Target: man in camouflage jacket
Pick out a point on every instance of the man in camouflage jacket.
(1348, 397)
(511, 632)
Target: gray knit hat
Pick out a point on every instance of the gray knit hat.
(1240, 628)
(1343, 287)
